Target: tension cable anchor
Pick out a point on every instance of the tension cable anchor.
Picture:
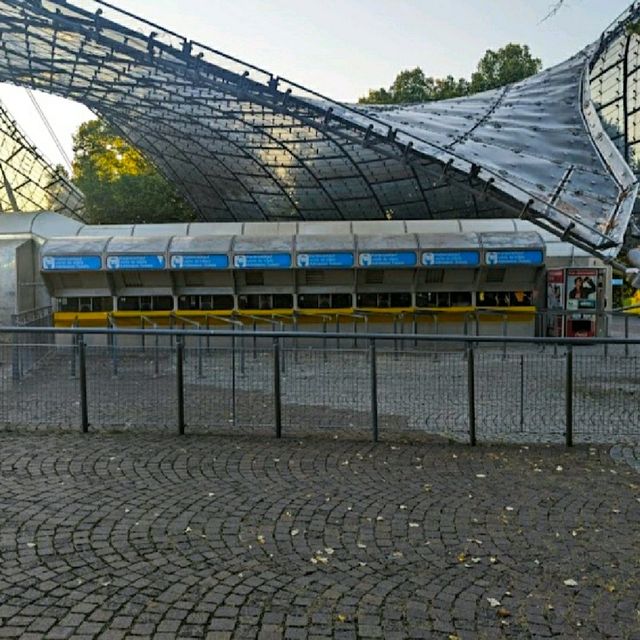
(367, 135)
(567, 231)
(524, 214)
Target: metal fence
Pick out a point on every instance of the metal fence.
(293, 383)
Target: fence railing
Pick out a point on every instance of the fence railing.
(290, 383)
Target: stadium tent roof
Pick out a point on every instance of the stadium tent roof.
(28, 182)
(244, 145)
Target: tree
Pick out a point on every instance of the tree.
(512, 63)
(119, 184)
(412, 85)
(496, 69)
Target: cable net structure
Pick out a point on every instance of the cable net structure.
(242, 144)
(28, 182)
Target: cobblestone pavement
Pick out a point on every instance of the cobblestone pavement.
(214, 537)
(628, 454)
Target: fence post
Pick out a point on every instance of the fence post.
(374, 389)
(180, 382)
(626, 335)
(74, 354)
(84, 410)
(16, 355)
(569, 397)
(233, 376)
(277, 396)
(471, 384)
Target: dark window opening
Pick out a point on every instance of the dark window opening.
(384, 300)
(85, 305)
(505, 299)
(496, 275)
(205, 303)
(324, 301)
(145, 303)
(265, 301)
(443, 299)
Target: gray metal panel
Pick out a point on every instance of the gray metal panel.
(107, 230)
(74, 246)
(437, 241)
(333, 228)
(404, 242)
(526, 240)
(491, 225)
(200, 244)
(433, 226)
(143, 245)
(215, 229)
(386, 227)
(173, 229)
(328, 243)
(50, 225)
(16, 223)
(260, 229)
(264, 244)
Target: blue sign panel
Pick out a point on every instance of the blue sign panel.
(135, 262)
(342, 260)
(451, 259)
(388, 259)
(516, 257)
(200, 261)
(262, 261)
(71, 263)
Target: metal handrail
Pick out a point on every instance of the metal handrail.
(314, 334)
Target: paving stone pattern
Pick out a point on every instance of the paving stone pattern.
(142, 535)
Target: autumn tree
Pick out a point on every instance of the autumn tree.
(119, 184)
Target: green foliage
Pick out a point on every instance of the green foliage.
(496, 69)
(413, 86)
(119, 184)
(512, 63)
(633, 29)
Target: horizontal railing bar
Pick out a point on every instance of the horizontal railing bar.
(222, 333)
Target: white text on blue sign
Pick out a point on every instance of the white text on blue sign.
(262, 261)
(451, 259)
(135, 262)
(388, 259)
(340, 260)
(200, 261)
(71, 263)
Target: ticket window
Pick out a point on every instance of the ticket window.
(505, 298)
(443, 299)
(206, 303)
(85, 305)
(145, 303)
(265, 301)
(325, 301)
(384, 300)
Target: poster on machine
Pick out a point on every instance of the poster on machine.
(582, 295)
(555, 303)
(582, 292)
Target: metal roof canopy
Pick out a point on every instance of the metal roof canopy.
(245, 145)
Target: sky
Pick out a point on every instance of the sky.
(343, 48)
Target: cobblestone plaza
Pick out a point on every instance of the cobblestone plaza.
(212, 537)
